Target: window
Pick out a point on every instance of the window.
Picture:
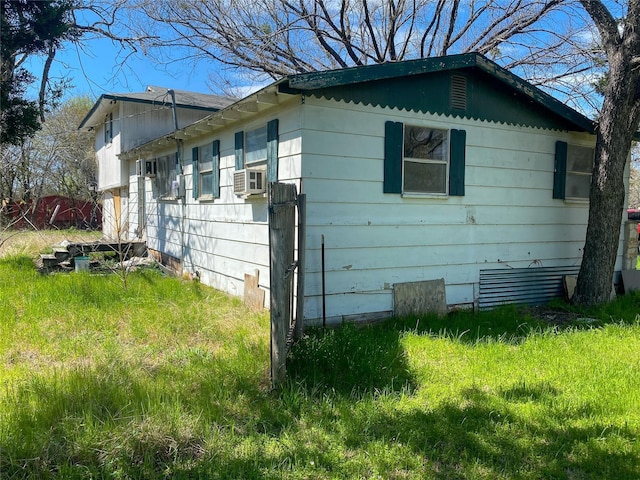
(579, 168)
(255, 151)
(167, 179)
(573, 168)
(108, 128)
(206, 171)
(426, 160)
(259, 147)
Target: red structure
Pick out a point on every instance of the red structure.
(54, 211)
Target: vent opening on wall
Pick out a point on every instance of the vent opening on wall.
(529, 286)
(458, 92)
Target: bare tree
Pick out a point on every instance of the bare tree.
(616, 126)
(58, 160)
(266, 39)
(29, 169)
(634, 179)
(67, 151)
(19, 172)
(634, 188)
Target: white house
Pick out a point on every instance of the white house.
(124, 121)
(446, 167)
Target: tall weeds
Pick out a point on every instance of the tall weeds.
(170, 379)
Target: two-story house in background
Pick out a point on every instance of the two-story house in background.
(125, 121)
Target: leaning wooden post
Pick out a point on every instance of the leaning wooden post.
(281, 234)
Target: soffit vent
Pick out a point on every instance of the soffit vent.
(458, 92)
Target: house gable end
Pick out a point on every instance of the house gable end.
(424, 85)
(487, 98)
(186, 100)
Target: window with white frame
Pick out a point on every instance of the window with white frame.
(205, 170)
(166, 178)
(579, 169)
(108, 128)
(425, 160)
(255, 146)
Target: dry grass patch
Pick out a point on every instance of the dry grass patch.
(32, 242)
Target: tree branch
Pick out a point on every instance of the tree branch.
(604, 21)
(45, 80)
(427, 30)
(452, 23)
(369, 26)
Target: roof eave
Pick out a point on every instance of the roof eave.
(85, 121)
(382, 71)
(87, 125)
(218, 119)
(536, 94)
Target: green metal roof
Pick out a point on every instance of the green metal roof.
(495, 94)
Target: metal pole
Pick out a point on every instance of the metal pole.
(324, 305)
(302, 251)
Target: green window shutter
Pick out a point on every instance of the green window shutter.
(393, 133)
(194, 175)
(216, 169)
(272, 151)
(239, 150)
(457, 156)
(560, 170)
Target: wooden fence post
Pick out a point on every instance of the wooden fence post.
(282, 198)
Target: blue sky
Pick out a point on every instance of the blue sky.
(99, 66)
(98, 69)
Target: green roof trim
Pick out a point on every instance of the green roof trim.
(382, 71)
(425, 85)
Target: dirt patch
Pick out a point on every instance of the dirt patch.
(557, 317)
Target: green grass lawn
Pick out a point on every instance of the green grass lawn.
(167, 379)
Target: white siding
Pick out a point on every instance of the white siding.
(143, 122)
(224, 239)
(116, 214)
(133, 124)
(507, 217)
(108, 215)
(111, 173)
(135, 201)
(334, 152)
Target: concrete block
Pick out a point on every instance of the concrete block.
(418, 298)
(253, 295)
(631, 280)
(570, 282)
(630, 254)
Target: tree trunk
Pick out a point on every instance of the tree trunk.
(617, 124)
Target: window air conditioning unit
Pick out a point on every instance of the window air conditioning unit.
(249, 181)
(150, 168)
